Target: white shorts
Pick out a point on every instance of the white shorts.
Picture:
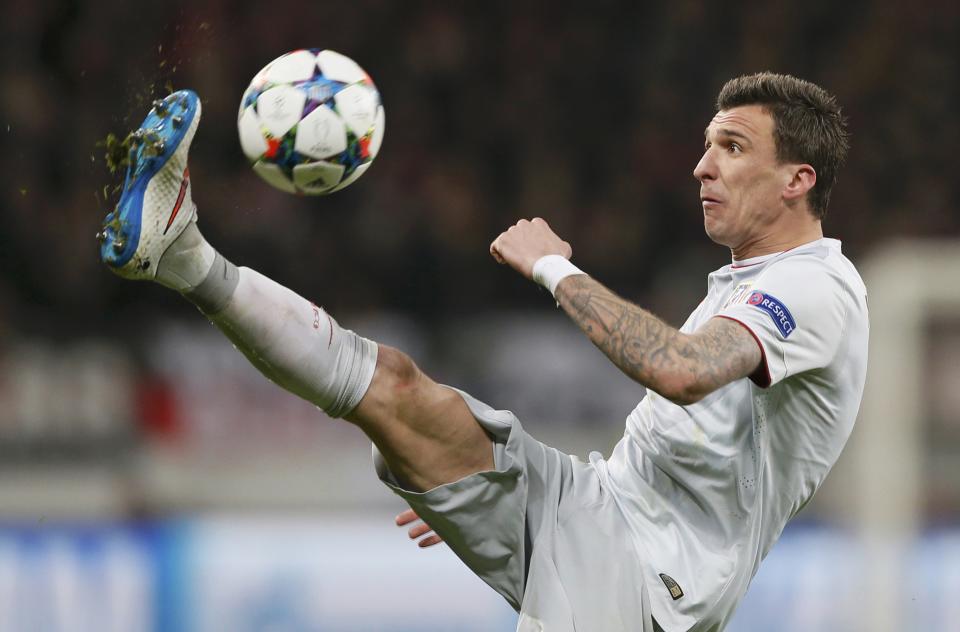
(541, 531)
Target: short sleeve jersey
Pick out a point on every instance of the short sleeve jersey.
(707, 488)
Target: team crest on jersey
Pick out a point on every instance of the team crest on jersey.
(777, 311)
(739, 295)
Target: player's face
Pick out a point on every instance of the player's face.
(741, 182)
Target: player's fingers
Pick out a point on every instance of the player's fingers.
(406, 517)
(495, 251)
(429, 541)
(419, 530)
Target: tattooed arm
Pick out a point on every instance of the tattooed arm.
(682, 367)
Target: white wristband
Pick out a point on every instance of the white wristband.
(549, 270)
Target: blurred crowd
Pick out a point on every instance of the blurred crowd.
(588, 114)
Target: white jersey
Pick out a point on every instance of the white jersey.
(708, 488)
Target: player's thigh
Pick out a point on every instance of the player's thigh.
(425, 431)
(492, 519)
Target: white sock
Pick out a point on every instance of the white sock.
(187, 261)
(297, 344)
(289, 339)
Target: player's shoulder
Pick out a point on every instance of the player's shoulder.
(817, 273)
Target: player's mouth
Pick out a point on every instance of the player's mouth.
(709, 202)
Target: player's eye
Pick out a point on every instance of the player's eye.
(734, 148)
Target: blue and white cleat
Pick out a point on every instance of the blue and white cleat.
(155, 206)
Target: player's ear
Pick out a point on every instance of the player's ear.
(802, 179)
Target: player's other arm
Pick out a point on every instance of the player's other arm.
(682, 367)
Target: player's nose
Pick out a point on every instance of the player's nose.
(706, 169)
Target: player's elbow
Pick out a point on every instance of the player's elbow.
(682, 390)
(684, 398)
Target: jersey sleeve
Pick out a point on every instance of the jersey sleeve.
(795, 311)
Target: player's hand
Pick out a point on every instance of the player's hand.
(525, 242)
(418, 530)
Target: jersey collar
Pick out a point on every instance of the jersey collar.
(739, 264)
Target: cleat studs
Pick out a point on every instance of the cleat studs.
(119, 244)
(177, 121)
(101, 236)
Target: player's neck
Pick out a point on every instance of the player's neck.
(780, 241)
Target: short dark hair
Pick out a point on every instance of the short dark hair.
(808, 126)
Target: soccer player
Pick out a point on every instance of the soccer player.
(748, 404)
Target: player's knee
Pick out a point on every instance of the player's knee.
(397, 367)
(400, 395)
(397, 371)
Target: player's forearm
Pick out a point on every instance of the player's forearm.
(641, 345)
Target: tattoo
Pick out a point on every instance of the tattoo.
(682, 367)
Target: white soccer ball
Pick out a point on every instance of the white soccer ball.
(311, 122)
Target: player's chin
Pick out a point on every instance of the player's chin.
(714, 229)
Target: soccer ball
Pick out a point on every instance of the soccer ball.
(311, 122)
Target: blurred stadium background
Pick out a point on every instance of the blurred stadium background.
(151, 481)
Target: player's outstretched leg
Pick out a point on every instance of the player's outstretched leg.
(425, 431)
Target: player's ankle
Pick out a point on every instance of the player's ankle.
(187, 262)
(217, 289)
